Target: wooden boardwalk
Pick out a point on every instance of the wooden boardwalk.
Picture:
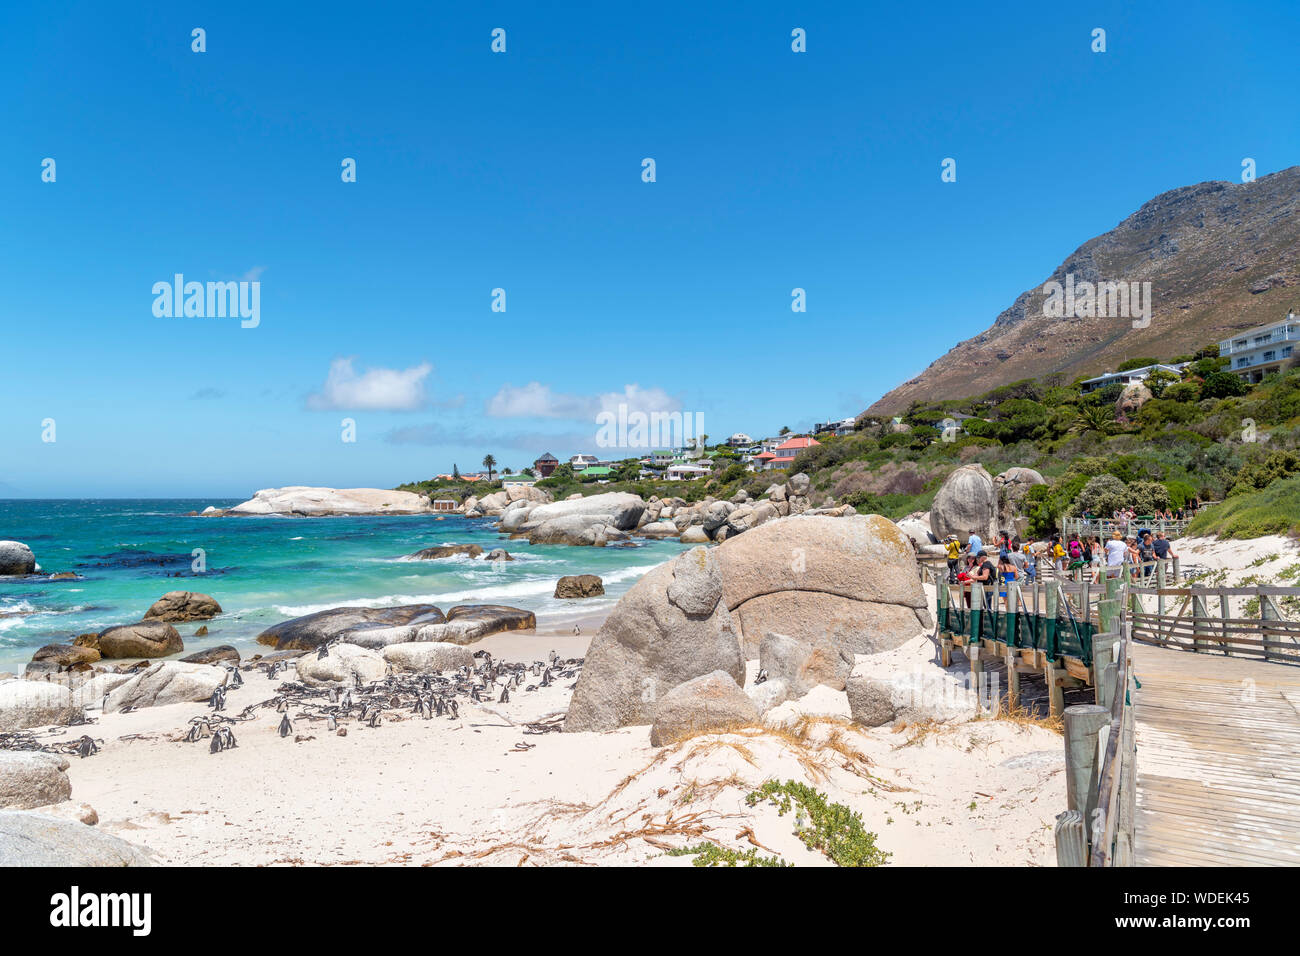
(1218, 760)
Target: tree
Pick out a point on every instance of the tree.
(489, 463)
(455, 472)
(785, 430)
(1101, 496)
(1130, 364)
(1223, 385)
(1093, 418)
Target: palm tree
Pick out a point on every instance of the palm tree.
(1093, 418)
(489, 463)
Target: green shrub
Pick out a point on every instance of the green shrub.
(1223, 385)
(1275, 510)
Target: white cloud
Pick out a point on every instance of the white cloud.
(254, 274)
(377, 389)
(536, 400)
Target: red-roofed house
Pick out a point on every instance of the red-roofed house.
(783, 454)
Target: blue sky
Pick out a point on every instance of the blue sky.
(522, 171)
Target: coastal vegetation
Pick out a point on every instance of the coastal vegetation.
(1203, 436)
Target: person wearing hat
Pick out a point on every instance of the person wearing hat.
(1116, 552)
(953, 547)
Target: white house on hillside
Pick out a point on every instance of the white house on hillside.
(1257, 352)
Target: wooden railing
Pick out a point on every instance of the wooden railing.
(1097, 829)
(1101, 770)
(1103, 527)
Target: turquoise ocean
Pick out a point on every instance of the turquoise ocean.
(128, 553)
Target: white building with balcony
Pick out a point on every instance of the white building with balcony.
(1260, 351)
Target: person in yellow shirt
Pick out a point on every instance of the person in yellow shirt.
(953, 547)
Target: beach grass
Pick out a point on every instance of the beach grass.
(1274, 510)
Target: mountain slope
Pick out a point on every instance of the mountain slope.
(1219, 256)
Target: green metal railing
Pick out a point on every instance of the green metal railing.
(1050, 622)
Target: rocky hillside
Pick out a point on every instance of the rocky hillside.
(1219, 256)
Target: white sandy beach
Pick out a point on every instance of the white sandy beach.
(480, 790)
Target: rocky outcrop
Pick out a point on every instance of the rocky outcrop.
(344, 664)
(709, 703)
(579, 586)
(852, 580)
(143, 639)
(802, 665)
(32, 780)
(368, 626)
(16, 558)
(167, 682)
(498, 554)
(221, 654)
(427, 657)
(467, 623)
(670, 627)
(917, 527)
(447, 551)
(38, 839)
(910, 696)
(695, 534)
(966, 502)
(618, 509)
(305, 501)
(1132, 398)
(578, 530)
(1012, 488)
(25, 704)
(66, 655)
(183, 606)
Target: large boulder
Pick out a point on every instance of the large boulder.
(802, 665)
(579, 586)
(911, 696)
(447, 551)
(32, 779)
(966, 502)
(429, 657)
(852, 580)
(1132, 398)
(695, 534)
(917, 527)
(670, 627)
(66, 655)
(369, 626)
(1012, 487)
(220, 654)
(467, 623)
(709, 703)
(37, 839)
(344, 664)
(142, 639)
(167, 682)
(16, 558)
(513, 518)
(617, 508)
(183, 606)
(312, 502)
(26, 703)
(579, 530)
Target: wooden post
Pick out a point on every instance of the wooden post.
(1225, 612)
(1267, 612)
(1055, 693)
(1200, 623)
(1104, 647)
(1071, 839)
(1083, 723)
(1178, 574)
(1160, 599)
(1013, 679)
